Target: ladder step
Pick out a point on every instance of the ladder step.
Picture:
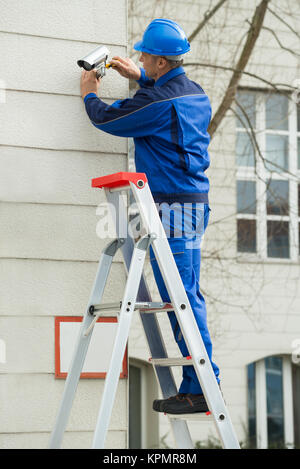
(119, 180)
(144, 307)
(180, 361)
(108, 307)
(157, 308)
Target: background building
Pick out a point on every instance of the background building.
(49, 249)
(250, 271)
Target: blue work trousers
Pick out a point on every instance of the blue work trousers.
(184, 225)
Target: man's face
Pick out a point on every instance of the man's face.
(149, 64)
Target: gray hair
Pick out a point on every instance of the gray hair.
(174, 61)
(173, 58)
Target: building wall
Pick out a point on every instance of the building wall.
(49, 250)
(253, 307)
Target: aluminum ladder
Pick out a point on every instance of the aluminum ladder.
(137, 297)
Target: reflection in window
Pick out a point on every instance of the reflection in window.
(244, 150)
(246, 230)
(246, 196)
(278, 197)
(246, 100)
(251, 406)
(296, 402)
(277, 152)
(277, 112)
(278, 239)
(274, 401)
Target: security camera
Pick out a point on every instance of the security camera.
(96, 60)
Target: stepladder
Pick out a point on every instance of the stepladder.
(137, 296)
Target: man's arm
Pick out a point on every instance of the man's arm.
(132, 117)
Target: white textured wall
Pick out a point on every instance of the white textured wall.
(253, 308)
(49, 250)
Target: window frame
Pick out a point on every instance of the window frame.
(261, 402)
(259, 174)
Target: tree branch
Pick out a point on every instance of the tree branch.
(207, 15)
(284, 22)
(253, 75)
(280, 43)
(256, 25)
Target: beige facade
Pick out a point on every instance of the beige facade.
(49, 152)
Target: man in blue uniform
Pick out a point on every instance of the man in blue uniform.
(168, 119)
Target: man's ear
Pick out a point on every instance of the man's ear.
(162, 62)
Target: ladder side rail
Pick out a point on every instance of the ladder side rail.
(127, 309)
(81, 346)
(164, 375)
(149, 321)
(185, 316)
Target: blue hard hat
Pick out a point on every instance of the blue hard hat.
(163, 37)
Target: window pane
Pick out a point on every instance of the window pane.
(278, 239)
(251, 406)
(246, 196)
(296, 401)
(274, 401)
(298, 115)
(277, 152)
(278, 198)
(247, 101)
(246, 235)
(298, 151)
(244, 150)
(277, 112)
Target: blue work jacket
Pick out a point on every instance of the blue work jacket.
(168, 121)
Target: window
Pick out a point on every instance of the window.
(273, 403)
(251, 406)
(296, 397)
(246, 206)
(275, 416)
(268, 171)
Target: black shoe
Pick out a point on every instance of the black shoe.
(189, 404)
(157, 404)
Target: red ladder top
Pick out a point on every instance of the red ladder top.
(120, 179)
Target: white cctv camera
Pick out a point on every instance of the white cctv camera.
(95, 60)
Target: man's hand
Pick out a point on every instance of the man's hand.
(89, 83)
(126, 67)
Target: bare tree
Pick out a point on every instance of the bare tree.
(240, 53)
(254, 30)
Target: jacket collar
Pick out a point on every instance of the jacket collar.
(169, 75)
